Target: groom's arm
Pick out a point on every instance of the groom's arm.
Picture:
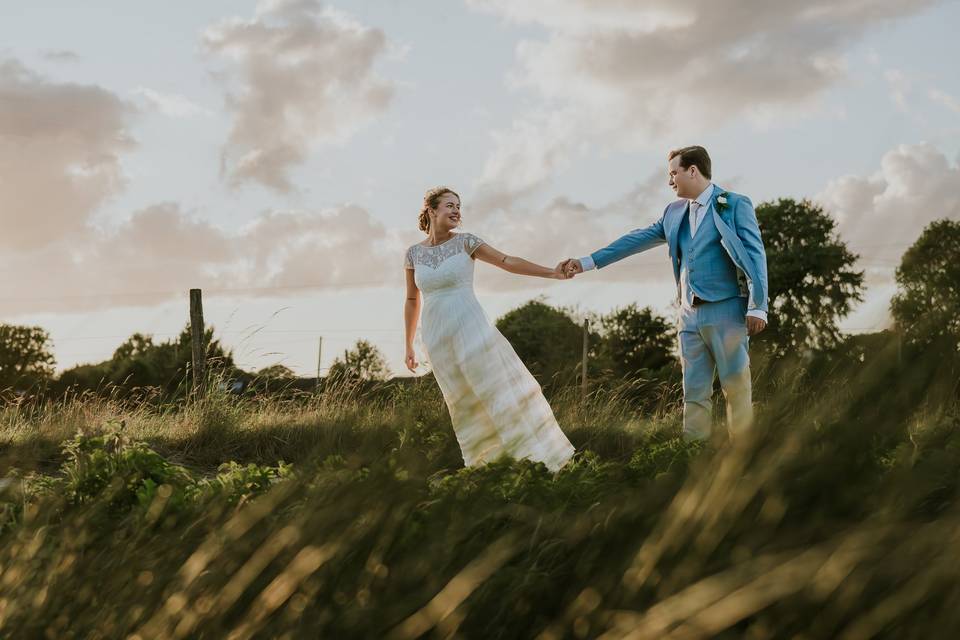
(748, 230)
(634, 242)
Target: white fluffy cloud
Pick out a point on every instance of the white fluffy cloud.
(882, 214)
(60, 148)
(298, 75)
(162, 251)
(627, 73)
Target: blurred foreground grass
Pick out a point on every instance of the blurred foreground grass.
(349, 516)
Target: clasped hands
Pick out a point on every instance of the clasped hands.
(567, 269)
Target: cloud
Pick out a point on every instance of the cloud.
(162, 251)
(60, 148)
(882, 214)
(61, 55)
(341, 247)
(945, 99)
(900, 88)
(298, 75)
(526, 157)
(170, 104)
(632, 74)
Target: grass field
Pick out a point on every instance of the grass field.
(348, 515)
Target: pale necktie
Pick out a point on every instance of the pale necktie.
(694, 217)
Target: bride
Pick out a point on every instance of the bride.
(496, 406)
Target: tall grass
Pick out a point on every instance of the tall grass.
(348, 515)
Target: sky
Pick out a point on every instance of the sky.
(275, 153)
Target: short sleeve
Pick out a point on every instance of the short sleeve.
(471, 243)
(408, 259)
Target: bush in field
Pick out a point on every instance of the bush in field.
(236, 482)
(123, 475)
(673, 456)
(112, 466)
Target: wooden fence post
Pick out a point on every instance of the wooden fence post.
(319, 360)
(583, 364)
(197, 341)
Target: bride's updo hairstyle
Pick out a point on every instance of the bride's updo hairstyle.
(431, 200)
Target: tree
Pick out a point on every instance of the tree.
(25, 356)
(813, 282)
(927, 306)
(363, 362)
(547, 339)
(636, 341)
(276, 372)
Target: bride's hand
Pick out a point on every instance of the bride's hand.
(411, 360)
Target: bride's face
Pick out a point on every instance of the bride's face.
(447, 214)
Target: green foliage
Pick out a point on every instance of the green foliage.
(26, 357)
(927, 304)
(637, 343)
(276, 372)
(579, 483)
(812, 275)
(119, 475)
(235, 483)
(140, 362)
(629, 346)
(673, 456)
(362, 363)
(110, 465)
(547, 340)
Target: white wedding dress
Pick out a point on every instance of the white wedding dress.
(496, 405)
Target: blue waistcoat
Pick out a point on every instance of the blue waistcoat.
(705, 264)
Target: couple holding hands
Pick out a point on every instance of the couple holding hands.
(497, 407)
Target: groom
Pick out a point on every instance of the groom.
(720, 268)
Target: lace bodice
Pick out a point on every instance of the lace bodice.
(445, 266)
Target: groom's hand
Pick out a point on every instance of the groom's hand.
(755, 325)
(571, 267)
(561, 269)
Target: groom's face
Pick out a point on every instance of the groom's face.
(682, 181)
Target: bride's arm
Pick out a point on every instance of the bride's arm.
(411, 314)
(516, 265)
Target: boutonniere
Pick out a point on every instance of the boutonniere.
(722, 202)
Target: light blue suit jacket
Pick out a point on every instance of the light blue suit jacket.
(739, 233)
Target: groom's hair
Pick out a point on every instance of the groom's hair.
(693, 156)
